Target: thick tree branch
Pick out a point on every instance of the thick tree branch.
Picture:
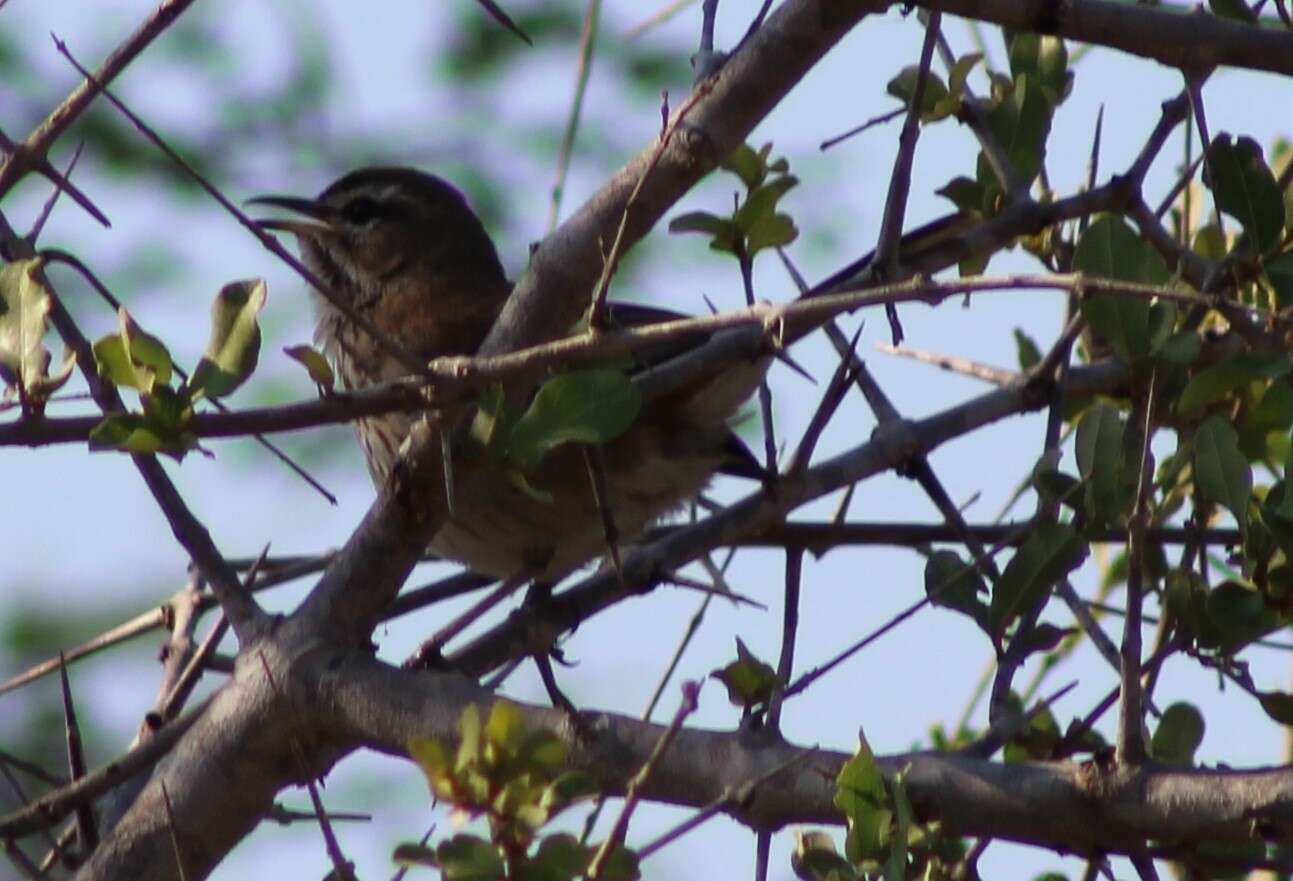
(1188, 39)
(31, 152)
(1080, 807)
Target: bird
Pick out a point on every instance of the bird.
(405, 250)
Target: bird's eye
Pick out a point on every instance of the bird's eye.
(362, 210)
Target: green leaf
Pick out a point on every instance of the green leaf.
(147, 354)
(24, 317)
(724, 233)
(568, 788)
(896, 865)
(1236, 616)
(1246, 189)
(1098, 446)
(762, 201)
(409, 854)
(590, 406)
(234, 346)
(770, 231)
(540, 750)
(1026, 349)
(1037, 741)
(1210, 242)
(1044, 59)
(621, 865)
(430, 755)
(505, 726)
(960, 72)
(1213, 383)
(1053, 485)
(1272, 415)
(315, 364)
(1110, 248)
(559, 856)
(1279, 272)
(1051, 552)
(749, 680)
(746, 164)
(1187, 601)
(126, 432)
(1221, 473)
(861, 795)
(490, 426)
(141, 433)
(701, 221)
(965, 193)
(132, 358)
(470, 742)
(1278, 705)
(1179, 733)
(469, 858)
(1181, 348)
(815, 858)
(1022, 122)
(1235, 10)
(934, 103)
(953, 584)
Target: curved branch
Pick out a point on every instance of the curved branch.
(1178, 37)
(1082, 807)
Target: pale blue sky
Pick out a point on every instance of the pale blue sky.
(86, 527)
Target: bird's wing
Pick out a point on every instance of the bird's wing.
(738, 460)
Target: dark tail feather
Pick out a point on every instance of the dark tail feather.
(738, 461)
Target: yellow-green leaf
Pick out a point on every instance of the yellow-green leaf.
(234, 346)
(315, 364)
(590, 406)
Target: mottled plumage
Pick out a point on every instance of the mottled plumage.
(414, 258)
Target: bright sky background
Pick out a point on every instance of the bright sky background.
(85, 531)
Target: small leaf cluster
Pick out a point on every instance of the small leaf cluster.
(754, 223)
(132, 358)
(518, 781)
(1229, 409)
(25, 302)
(750, 681)
(883, 839)
(589, 406)
(1049, 553)
(1018, 111)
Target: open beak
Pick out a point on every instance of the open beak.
(318, 219)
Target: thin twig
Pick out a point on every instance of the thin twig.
(733, 795)
(34, 149)
(587, 46)
(690, 701)
(410, 361)
(895, 203)
(859, 129)
(611, 260)
(48, 208)
(60, 182)
(789, 629)
(244, 615)
(953, 364)
(431, 648)
(87, 830)
(1131, 743)
(54, 806)
(58, 255)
